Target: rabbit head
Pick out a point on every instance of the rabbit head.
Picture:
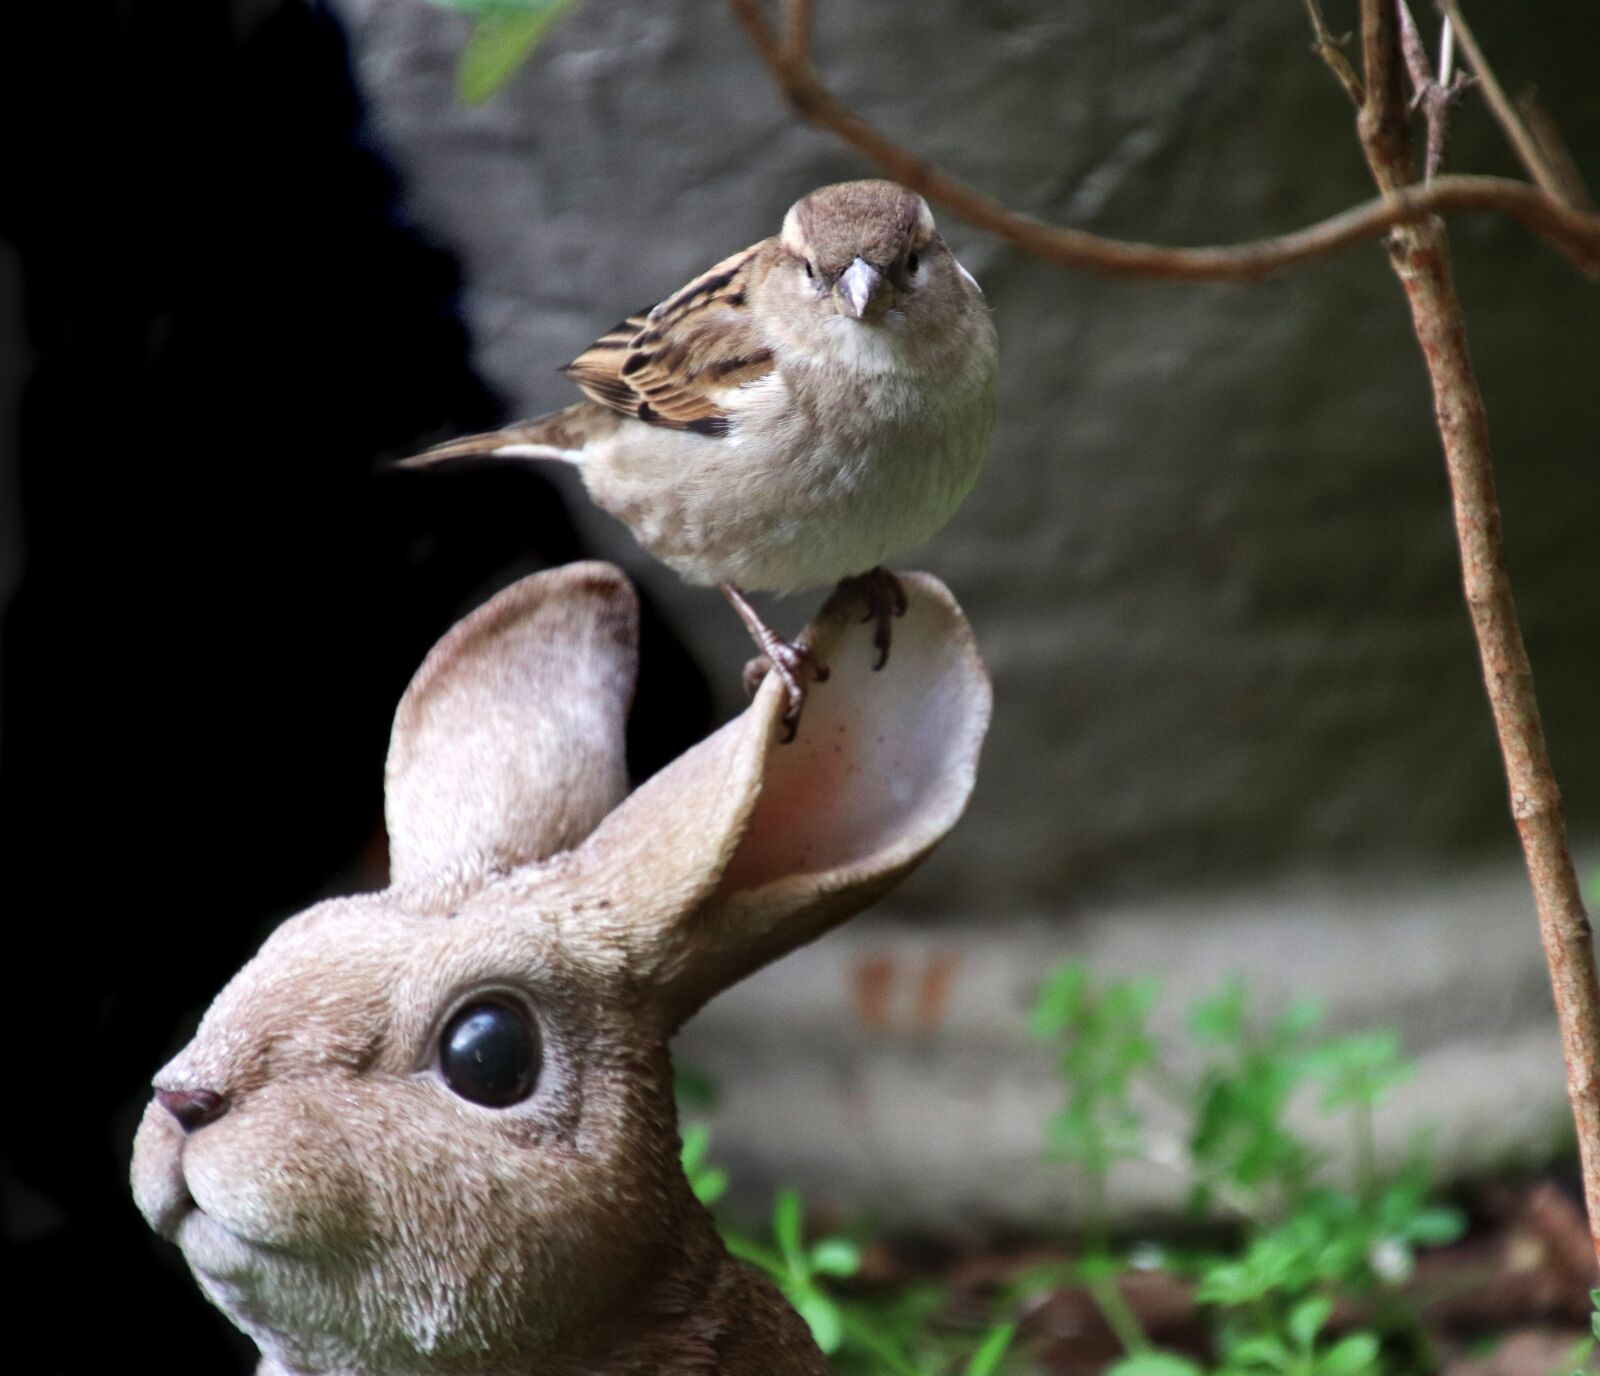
(431, 1129)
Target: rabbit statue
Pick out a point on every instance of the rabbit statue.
(431, 1129)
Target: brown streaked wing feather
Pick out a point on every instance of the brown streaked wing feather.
(666, 367)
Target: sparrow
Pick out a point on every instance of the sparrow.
(797, 415)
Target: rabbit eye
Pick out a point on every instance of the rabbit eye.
(489, 1053)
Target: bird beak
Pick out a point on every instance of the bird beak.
(858, 285)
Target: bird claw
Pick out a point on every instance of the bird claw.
(886, 599)
(794, 665)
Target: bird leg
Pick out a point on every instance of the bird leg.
(790, 662)
(885, 600)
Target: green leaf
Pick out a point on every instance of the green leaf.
(835, 1256)
(1349, 1356)
(709, 1185)
(1435, 1227)
(1292, 1257)
(696, 1138)
(1306, 1320)
(787, 1226)
(1155, 1364)
(868, 1332)
(1261, 1350)
(1220, 1018)
(1359, 1069)
(822, 1316)
(1098, 1265)
(1298, 1018)
(490, 6)
(763, 1258)
(1059, 1000)
(1230, 1283)
(499, 43)
(987, 1358)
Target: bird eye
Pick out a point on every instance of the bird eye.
(912, 261)
(489, 1053)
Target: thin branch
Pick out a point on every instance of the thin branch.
(1437, 96)
(1419, 253)
(1557, 156)
(1382, 121)
(1415, 54)
(1574, 233)
(797, 30)
(1528, 151)
(1331, 51)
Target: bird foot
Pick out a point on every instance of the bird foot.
(793, 664)
(885, 599)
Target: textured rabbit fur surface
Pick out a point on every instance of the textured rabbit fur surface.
(431, 1129)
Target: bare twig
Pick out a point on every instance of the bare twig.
(1436, 95)
(1382, 117)
(1415, 54)
(1419, 254)
(1557, 156)
(797, 30)
(1331, 51)
(1573, 232)
(1528, 151)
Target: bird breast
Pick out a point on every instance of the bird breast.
(838, 460)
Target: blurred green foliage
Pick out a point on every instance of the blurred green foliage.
(1307, 1273)
(1304, 1237)
(504, 34)
(861, 1334)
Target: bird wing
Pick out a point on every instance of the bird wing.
(674, 365)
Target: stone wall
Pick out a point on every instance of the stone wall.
(1210, 561)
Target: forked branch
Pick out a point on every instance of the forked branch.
(1574, 232)
(1557, 182)
(1419, 254)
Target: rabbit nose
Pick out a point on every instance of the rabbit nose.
(193, 1108)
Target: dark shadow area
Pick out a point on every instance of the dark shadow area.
(231, 323)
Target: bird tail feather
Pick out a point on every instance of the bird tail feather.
(548, 437)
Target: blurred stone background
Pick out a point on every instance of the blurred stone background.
(1239, 721)
(255, 246)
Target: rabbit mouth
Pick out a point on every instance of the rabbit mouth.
(211, 1248)
(173, 1211)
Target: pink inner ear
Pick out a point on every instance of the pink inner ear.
(880, 758)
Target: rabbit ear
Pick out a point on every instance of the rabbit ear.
(508, 744)
(747, 847)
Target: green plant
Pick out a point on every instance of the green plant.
(1301, 1238)
(863, 1335)
(1300, 1241)
(504, 34)
(800, 1270)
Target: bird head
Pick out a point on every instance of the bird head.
(866, 249)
